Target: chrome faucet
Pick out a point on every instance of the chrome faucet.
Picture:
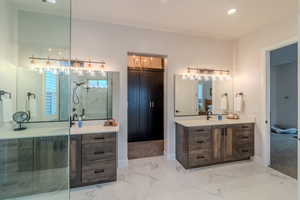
(209, 115)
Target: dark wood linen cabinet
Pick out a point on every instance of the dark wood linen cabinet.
(201, 146)
(145, 104)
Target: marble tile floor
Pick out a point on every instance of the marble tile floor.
(158, 179)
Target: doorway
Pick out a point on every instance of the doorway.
(145, 105)
(283, 109)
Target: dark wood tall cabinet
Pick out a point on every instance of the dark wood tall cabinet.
(145, 104)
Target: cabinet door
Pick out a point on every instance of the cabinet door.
(217, 144)
(156, 104)
(50, 164)
(134, 132)
(145, 105)
(229, 144)
(16, 168)
(75, 161)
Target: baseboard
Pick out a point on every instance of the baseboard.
(169, 156)
(258, 160)
(122, 163)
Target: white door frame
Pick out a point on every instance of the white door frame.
(266, 96)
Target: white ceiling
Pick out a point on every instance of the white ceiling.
(195, 17)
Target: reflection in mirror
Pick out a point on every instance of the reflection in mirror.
(197, 97)
(46, 96)
(92, 96)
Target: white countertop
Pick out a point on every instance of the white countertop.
(48, 129)
(213, 122)
(91, 129)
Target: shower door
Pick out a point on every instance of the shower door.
(34, 160)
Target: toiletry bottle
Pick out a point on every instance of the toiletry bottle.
(80, 122)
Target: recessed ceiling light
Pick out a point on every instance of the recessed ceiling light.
(49, 1)
(232, 11)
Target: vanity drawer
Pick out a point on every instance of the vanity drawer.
(98, 138)
(200, 158)
(98, 151)
(101, 171)
(245, 127)
(199, 130)
(200, 141)
(243, 151)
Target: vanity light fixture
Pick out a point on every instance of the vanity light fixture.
(49, 1)
(65, 66)
(206, 74)
(232, 11)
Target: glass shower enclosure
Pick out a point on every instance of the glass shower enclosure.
(34, 104)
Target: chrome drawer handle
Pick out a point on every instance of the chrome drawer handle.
(98, 152)
(99, 171)
(200, 142)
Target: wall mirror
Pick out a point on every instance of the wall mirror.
(195, 97)
(47, 96)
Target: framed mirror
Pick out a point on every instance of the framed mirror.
(54, 97)
(198, 97)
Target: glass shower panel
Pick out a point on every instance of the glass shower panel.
(34, 108)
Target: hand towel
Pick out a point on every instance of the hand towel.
(33, 107)
(238, 103)
(224, 103)
(7, 109)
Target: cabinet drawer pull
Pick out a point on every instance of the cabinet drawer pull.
(200, 142)
(244, 137)
(99, 138)
(99, 152)
(200, 157)
(200, 130)
(99, 171)
(245, 151)
(245, 126)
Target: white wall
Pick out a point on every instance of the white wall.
(250, 73)
(112, 42)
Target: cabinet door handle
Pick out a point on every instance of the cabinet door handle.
(200, 130)
(99, 152)
(200, 142)
(245, 126)
(98, 171)
(200, 157)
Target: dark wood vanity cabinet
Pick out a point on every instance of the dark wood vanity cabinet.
(93, 159)
(201, 146)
